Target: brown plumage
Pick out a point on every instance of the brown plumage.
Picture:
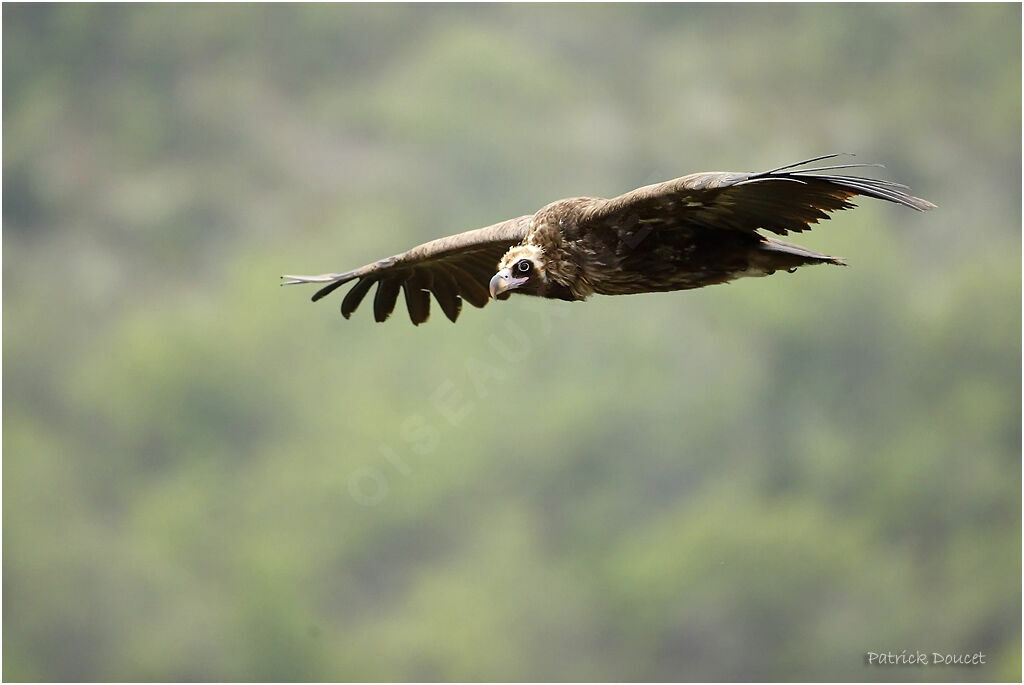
(686, 233)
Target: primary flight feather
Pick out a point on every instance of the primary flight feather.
(686, 233)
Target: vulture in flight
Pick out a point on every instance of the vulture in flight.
(686, 233)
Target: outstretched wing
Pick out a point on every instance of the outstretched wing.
(454, 269)
(781, 200)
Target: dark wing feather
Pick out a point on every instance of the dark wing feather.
(385, 299)
(355, 296)
(417, 297)
(446, 293)
(471, 279)
(781, 200)
(455, 268)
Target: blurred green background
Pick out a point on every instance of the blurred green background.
(208, 477)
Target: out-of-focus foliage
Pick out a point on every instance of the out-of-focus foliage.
(207, 477)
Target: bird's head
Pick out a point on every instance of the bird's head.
(521, 269)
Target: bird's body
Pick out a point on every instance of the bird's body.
(691, 232)
(631, 256)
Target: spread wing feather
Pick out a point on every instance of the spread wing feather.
(454, 269)
(446, 293)
(781, 200)
(386, 297)
(417, 297)
(355, 296)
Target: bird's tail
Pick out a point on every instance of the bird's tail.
(773, 255)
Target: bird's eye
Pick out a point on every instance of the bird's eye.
(524, 266)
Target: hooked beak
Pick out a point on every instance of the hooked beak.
(504, 281)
